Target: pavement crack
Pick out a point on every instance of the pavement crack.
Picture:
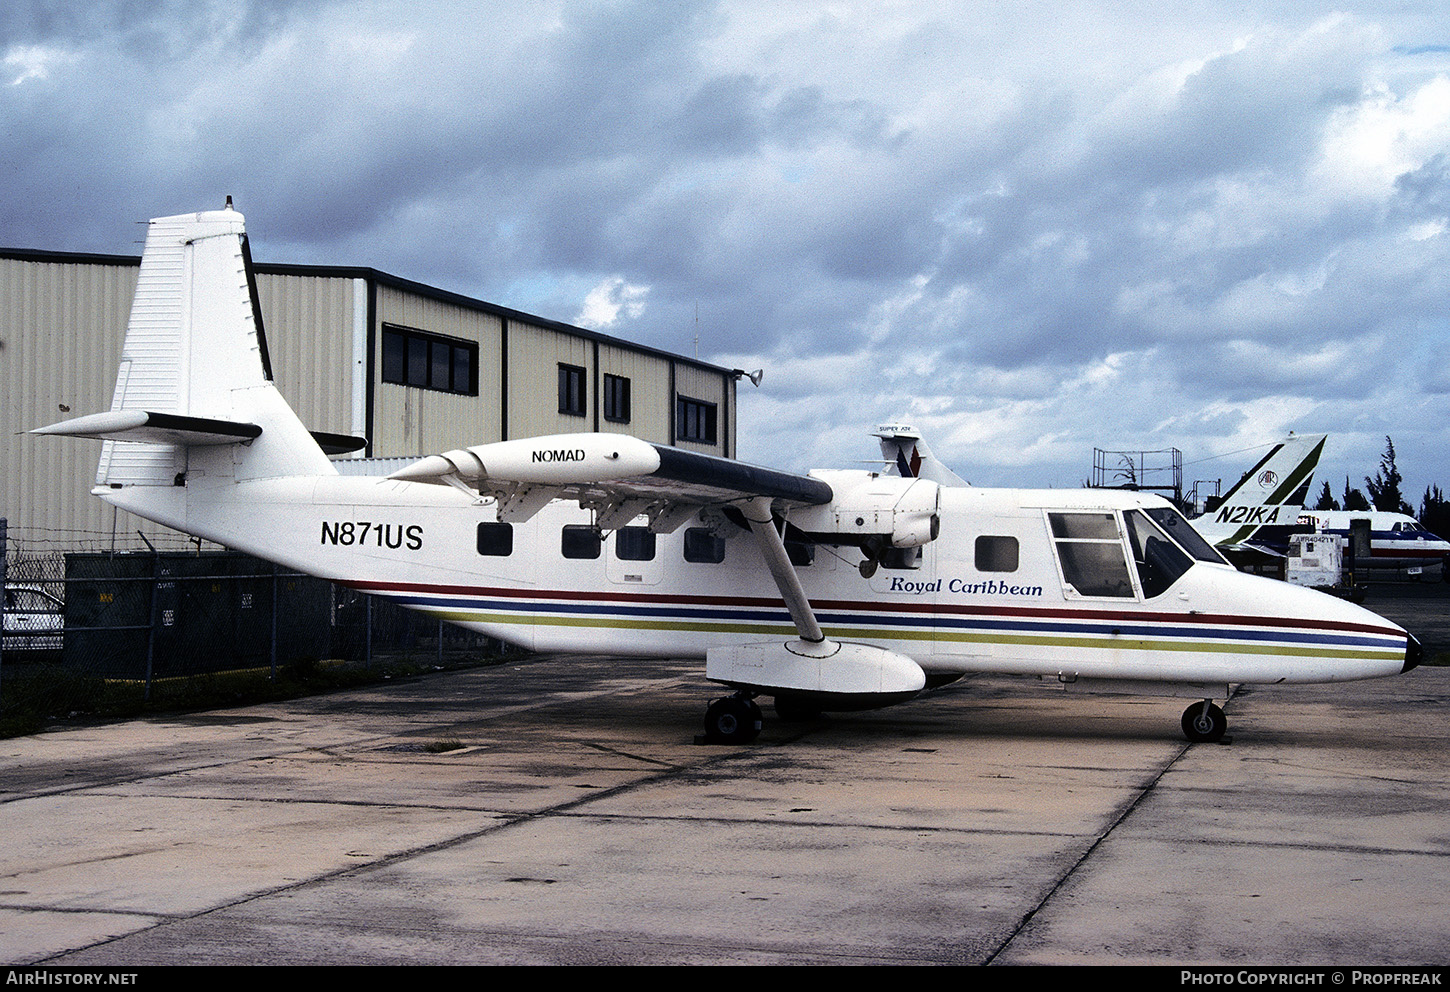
(1128, 809)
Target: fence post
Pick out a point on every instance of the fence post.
(155, 619)
(274, 623)
(4, 578)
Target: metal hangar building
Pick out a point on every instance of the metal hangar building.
(412, 369)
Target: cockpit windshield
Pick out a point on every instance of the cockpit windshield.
(1159, 561)
(1183, 534)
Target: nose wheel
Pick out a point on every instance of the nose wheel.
(732, 720)
(1204, 723)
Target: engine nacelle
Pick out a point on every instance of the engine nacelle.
(871, 508)
(560, 459)
(834, 675)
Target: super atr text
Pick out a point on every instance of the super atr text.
(350, 533)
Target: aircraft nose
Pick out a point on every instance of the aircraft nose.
(1414, 653)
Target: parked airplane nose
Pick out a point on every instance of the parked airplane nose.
(1414, 653)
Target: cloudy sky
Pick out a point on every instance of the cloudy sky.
(1030, 228)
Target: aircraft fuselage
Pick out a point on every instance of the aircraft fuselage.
(1045, 583)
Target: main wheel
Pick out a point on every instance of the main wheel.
(1204, 723)
(732, 720)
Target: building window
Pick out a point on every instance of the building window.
(571, 390)
(429, 361)
(496, 540)
(616, 399)
(694, 420)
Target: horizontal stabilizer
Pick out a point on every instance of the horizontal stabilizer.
(338, 444)
(156, 428)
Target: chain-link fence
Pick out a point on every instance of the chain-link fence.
(104, 632)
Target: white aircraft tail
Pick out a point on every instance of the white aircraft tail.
(1271, 494)
(195, 385)
(908, 456)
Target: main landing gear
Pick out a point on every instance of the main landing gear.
(1204, 723)
(733, 720)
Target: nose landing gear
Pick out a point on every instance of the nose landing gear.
(1204, 723)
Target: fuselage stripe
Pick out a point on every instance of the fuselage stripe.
(1046, 631)
(932, 613)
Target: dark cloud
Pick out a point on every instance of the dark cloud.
(1035, 229)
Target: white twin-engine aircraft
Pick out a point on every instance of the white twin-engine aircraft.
(828, 591)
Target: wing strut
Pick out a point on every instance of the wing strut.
(762, 525)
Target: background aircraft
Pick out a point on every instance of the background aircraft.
(1395, 540)
(1254, 519)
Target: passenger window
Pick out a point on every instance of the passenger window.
(701, 545)
(1090, 551)
(800, 553)
(496, 540)
(996, 554)
(634, 544)
(579, 541)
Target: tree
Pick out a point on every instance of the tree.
(1384, 488)
(1353, 498)
(1326, 499)
(1435, 511)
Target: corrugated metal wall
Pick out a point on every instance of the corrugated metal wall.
(412, 421)
(61, 330)
(63, 323)
(306, 319)
(535, 354)
(650, 399)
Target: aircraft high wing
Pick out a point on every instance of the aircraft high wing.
(827, 591)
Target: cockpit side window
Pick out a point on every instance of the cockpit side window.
(1090, 551)
(1159, 561)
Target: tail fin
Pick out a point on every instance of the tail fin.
(908, 456)
(195, 378)
(1270, 495)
